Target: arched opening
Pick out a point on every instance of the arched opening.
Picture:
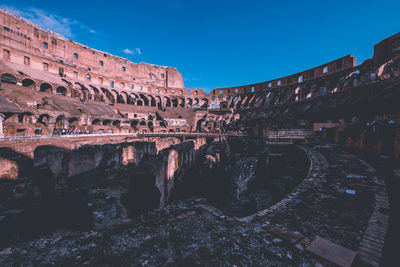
(199, 125)
(28, 83)
(150, 125)
(145, 100)
(134, 124)
(45, 87)
(116, 123)
(152, 101)
(125, 96)
(59, 122)
(97, 95)
(158, 100)
(182, 102)
(106, 122)
(174, 102)
(139, 103)
(108, 95)
(189, 102)
(24, 118)
(44, 119)
(204, 103)
(142, 123)
(61, 91)
(96, 122)
(196, 103)
(8, 78)
(167, 101)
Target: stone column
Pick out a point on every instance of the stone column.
(1, 125)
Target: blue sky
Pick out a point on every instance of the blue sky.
(221, 43)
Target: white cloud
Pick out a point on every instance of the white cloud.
(48, 21)
(128, 51)
(138, 51)
(187, 79)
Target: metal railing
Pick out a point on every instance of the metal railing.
(292, 134)
(136, 134)
(11, 138)
(189, 134)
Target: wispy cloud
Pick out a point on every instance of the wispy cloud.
(62, 25)
(138, 51)
(187, 79)
(128, 51)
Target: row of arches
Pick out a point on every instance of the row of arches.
(110, 96)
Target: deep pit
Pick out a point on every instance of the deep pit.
(239, 178)
(247, 177)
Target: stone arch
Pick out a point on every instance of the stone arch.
(204, 103)
(28, 83)
(145, 99)
(60, 122)
(106, 122)
(150, 125)
(83, 91)
(25, 117)
(134, 123)
(181, 102)
(73, 122)
(189, 102)
(152, 101)
(174, 102)
(45, 87)
(96, 122)
(61, 90)
(119, 99)
(109, 96)
(97, 96)
(167, 101)
(158, 102)
(125, 96)
(8, 78)
(196, 102)
(44, 119)
(132, 98)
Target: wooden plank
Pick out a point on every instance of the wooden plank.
(332, 252)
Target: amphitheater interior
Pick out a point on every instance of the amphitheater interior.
(104, 161)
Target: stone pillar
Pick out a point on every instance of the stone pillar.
(50, 126)
(1, 125)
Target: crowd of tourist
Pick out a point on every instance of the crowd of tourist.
(70, 131)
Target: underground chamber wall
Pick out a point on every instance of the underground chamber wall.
(252, 177)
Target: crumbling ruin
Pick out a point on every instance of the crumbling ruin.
(108, 162)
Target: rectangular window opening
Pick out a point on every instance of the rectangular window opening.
(27, 61)
(6, 54)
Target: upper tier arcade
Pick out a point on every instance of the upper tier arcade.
(25, 43)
